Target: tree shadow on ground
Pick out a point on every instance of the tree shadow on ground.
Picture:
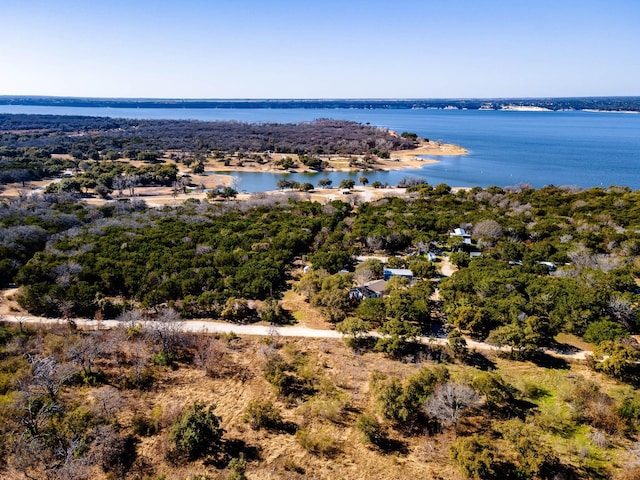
(391, 445)
(234, 448)
(479, 361)
(545, 360)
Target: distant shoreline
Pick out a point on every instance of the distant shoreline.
(594, 104)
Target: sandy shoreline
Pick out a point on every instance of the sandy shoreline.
(223, 177)
(398, 160)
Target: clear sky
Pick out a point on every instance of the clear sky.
(319, 49)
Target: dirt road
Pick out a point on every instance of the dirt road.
(269, 330)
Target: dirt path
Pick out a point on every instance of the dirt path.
(446, 267)
(206, 326)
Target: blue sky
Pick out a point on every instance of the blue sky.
(321, 49)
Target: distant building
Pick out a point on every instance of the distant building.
(373, 289)
(377, 286)
(397, 272)
(461, 233)
(360, 293)
(550, 266)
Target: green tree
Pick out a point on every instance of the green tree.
(476, 320)
(395, 335)
(617, 360)
(372, 310)
(460, 259)
(603, 330)
(228, 192)
(270, 311)
(522, 337)
(332, 261)
(334, 303)
(236, 310)
(347, 183)
(422, 268)
(457, 343)
(197, 432)
(354, 330)
(475, 456)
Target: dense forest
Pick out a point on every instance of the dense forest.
(556, 103)
(542, 262)
(64, 134)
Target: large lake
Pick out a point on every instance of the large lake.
(578, 148)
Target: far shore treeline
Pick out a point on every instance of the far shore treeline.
(555, 103)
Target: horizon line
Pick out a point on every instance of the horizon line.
(311, 99)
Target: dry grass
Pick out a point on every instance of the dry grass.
(281, 454)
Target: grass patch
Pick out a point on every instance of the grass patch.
(574, 341)
(299, 316)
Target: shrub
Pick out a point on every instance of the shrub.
(237, 467)
(262, 414)
(474, 456)
(161, 359)
(291, 466)
(372, 431)
(197, 432)
(141, 379)
(629, 411)
(318, 443)
(402, 401)
(146, 426)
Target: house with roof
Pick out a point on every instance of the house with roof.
(360, 293)
(397, 272)
(461, 233)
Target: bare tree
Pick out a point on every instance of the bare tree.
(49, 377)
(85, 352)
(211, 356)
(450, 401)
(622, 310)
(131, 317)
(488, 230)
(107, 402)
(112, 451)
(119, 184)
(166, 330)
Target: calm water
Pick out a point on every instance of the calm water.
(539, 148)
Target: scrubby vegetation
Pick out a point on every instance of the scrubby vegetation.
(71, 408)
